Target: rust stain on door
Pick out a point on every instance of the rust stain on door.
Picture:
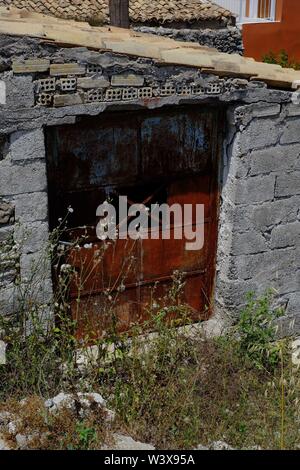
(165, 156)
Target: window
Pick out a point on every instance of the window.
(257, 10)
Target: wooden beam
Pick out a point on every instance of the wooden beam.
(119, 13)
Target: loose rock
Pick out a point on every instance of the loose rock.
(122, 442)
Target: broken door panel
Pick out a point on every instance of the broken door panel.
(175, 143)
(164, 156)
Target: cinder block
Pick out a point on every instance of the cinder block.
(67, 84)
(114, 94)
(46, 85)
(93, 69)
(127, 80)
(44, 99)
(90, 83)
(167, 90)
(183, 90)
(95, 96)
(67, 69)
(130, 94)
(67, 100)
(145, 93)
(31, 66)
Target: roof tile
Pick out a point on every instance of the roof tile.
(141, 11)
(126, 41)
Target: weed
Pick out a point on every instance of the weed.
(167, 387)
(282, 58)
(257, 332)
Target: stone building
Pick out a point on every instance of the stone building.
(200, 21)
(88, 111)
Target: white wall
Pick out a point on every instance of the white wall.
(232, 5)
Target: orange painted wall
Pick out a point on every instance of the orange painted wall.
(261, 38)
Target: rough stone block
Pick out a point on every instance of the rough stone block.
(255, 189)
(67, 69)
(260, 133)
(264, 267)
(31, 66)
(294, 305)
(31, 207)
(90, 83)
(274, 159)
(264, 216)
(288, 184)
(285, 236)
(293, 110)
(7, 300)
(265, 110)
(27, 145)
(233, 293)
(2, 92)
(36, 264)
(7, 276)
(6, 233)
(32, 236)
(4, 146)
(20, 92)
(22, 178)
(291, 132)
(248, 243)
(67, 100)
(288, 325)
(287, 281)
(127, 80)
(7, 213)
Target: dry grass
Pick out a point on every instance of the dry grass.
(178, 394)
(205, 392)
(61, 430)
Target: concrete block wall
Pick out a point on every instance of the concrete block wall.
(24, 221)
(259, 238)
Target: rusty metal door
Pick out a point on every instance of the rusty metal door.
(166, 156)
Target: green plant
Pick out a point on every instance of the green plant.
(257, 332)
(168, 387)
(87, 436)
(282, 58)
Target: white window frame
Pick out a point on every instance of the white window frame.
(253, 18)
